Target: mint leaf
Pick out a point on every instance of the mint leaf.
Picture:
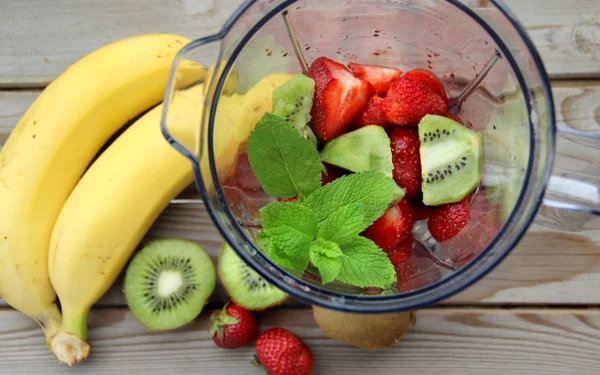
(292, 243)
(269, 249)
(291, 215)
(343, 224)
(374, 190)
(283, 161)
(325, 255)
(364, 264)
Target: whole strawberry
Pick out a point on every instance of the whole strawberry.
(408, 101)
(233, 327)
(430, 79)
(281, 352)
(449, 219)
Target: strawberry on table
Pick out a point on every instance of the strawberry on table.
(281, 352)
(373, 114)
(233, 327)
(408, 101)
(449, 219)
(430, 79)
(393, 227)
(339, 98)
(381, 78)
(406, 159)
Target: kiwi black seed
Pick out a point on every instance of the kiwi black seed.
(168, 283)
(244, 285)
(292, 101)
(451, 160)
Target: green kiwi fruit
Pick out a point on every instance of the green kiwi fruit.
(451, 160)
(244, 285)
(293, 101)
(168, 283)
(365, 149)
(366, 331)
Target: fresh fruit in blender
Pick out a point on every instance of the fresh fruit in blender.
(393, 227)
(168, 283)
(407, 101)
(366, 331)
(402, 251)
(364, 149)
(448, 220)
(293, 101)
(339, 98)
(451, 160)
(233, 327)
(430, 79)
(53, 144)
(108, 213)
(373, 114)
(244, 285)
(379, 77)
(406, 159)
(281, 352)
(420, 210)
(330, 174)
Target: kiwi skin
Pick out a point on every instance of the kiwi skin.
(366, 331)
(283, 300)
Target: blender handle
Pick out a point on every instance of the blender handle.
(573, 194)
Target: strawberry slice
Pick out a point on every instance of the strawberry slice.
(339, 98)
(381, 78)
(393, 227)
(421, 211)
(406, 159)
(373, 114)
(408, 101)
(401, 252)
(449, 219)
(430, 79)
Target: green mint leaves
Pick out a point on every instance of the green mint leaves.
(283, 161)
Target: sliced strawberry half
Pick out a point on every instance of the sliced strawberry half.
(448, 220)
(430, 79)
(373, 114)
(393, 227)
(406, 159)
(380, 77)
(339, 98)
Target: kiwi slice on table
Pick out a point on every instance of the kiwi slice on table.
(168, 283)
(365, 149)
(451, 160)
(244, 285)
(292, 101)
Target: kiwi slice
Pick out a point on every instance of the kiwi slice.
(365, 149)
(168, 283)
(451, 160)
(292, 101)
(244, 285)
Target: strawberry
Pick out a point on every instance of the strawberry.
(373, 114)
(393, 227)
(449, 219)
(407, 101)
(401, 252)
(455, 118)
(233, 327)
(430, 79)
(421, 211)
(406, 159)
(281, 352)
(339, 97)
(381, 78)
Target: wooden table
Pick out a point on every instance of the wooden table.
(537, 313)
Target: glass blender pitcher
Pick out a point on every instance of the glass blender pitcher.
(496, 83)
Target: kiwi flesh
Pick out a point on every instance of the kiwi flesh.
(292, 101)
(244, 285)
(365, 149)
(366, 331)
(168, 283)
(451, 160)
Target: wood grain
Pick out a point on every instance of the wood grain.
(449, 341)
(41, 38)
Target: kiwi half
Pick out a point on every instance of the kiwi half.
(244, 285)
(168, 283)
(292, 101)
(451, 160)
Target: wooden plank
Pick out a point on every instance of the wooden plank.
(547, 266)
(41, 38)
(455, 342)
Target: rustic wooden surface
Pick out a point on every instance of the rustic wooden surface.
(537, 313)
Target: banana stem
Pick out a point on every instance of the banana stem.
(74, 323)
(50, 322)
(69, 345)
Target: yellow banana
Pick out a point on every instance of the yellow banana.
(53, 144)
(124, 191)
